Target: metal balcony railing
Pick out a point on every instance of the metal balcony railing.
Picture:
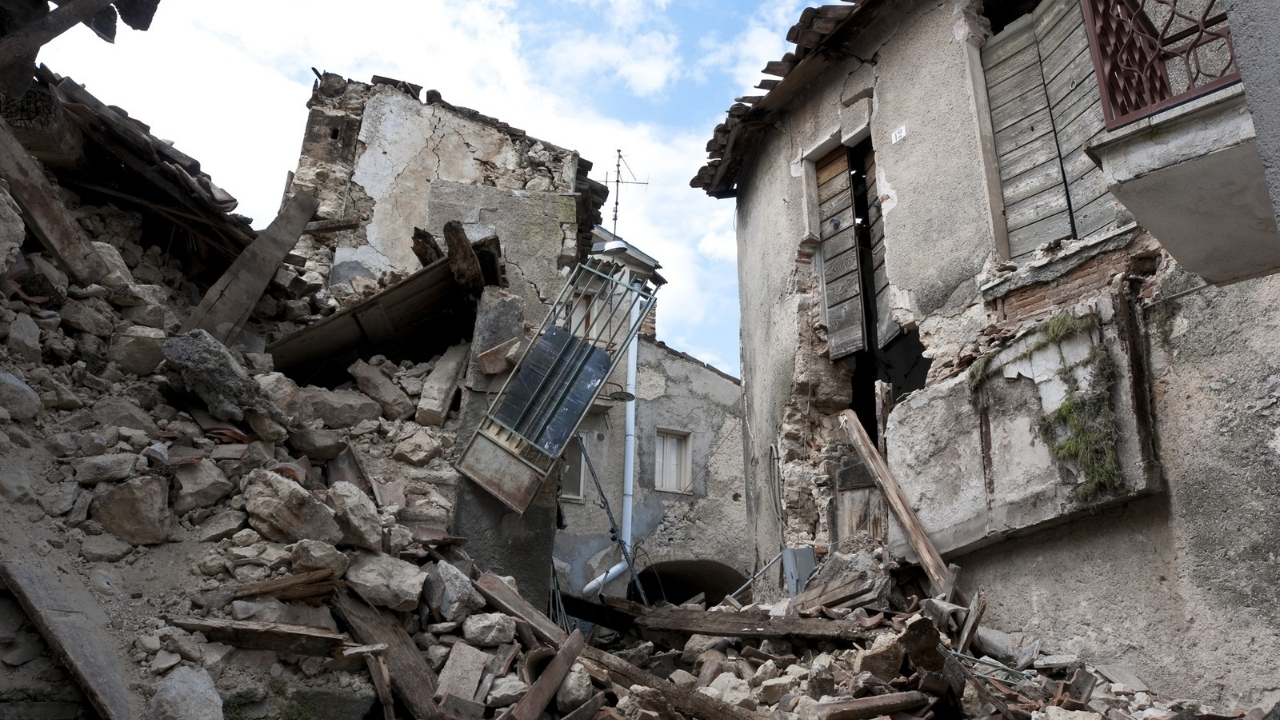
(1150, 55)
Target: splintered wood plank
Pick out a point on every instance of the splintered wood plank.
(833, 187)
(1031, 127)
(279, 637)
(411, 677)
(1016, 36)
(73, 625)
(870, 707)
(1033, 154)
(841, 242)
(44, 213)
(544, 688)
(501, 596)
(462, 258)
(701, 622)
(919, 540)
(976, 609)
(687, 703)
(228, 303)
(1033, 181)
(1027, 80)
(289, 586)
(834, 592)
(1016, 63)
(1036, 208)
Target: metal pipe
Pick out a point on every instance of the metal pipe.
(747, 584)
(628, 462)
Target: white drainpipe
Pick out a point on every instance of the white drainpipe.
(628, 464)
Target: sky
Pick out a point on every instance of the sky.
(228, 83)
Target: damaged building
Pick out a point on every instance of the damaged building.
(1030, 247)
(413, 448)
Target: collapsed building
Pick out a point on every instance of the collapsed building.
(1030, 246)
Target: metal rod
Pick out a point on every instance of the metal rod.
(613, 525)
(747, 584)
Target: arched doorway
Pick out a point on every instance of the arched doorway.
(677, 581)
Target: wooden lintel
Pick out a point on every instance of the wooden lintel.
(701, 622)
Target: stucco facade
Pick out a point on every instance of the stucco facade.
(1142, 539)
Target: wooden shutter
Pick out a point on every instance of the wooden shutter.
(1045, 107)
(841, 265)
(886, 328)
(1076, 106)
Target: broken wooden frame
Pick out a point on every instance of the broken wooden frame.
(542, 401)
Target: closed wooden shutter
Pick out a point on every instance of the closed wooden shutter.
(1076, 106)
(841, 265)
(1045, 107)
(886, 328)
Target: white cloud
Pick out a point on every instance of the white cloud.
(625, 14)
(233, 84)
(764, 39)
(646, 62)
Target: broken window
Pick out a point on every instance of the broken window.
(1045, 108)
(671, 462)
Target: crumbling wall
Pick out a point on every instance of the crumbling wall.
(674, 392)
(371, 154)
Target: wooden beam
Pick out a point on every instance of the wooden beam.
(28, 40)
(544, 688)
(687, 703)
(501, 596)
(411, 677)
(930, 560)
(292, 587)
(976, 609)
(231, 300)
(462, 258)
(747, 625)
(279, 637)
(870, 707)
(44, 213)
(74, 625)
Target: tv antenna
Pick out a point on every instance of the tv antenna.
(618, 182)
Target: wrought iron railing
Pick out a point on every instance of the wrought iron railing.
(1150, 55)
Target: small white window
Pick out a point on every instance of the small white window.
(671, 462)
(573, 480)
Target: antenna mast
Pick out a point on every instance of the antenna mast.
(618, 182)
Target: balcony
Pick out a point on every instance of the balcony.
(1180, 151)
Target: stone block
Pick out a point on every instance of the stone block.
(388, 582)
(137, 349)
(341, 408)
(418, 449)
(357, 517)
(439, 387)
(320, 445)
(79, 316)
(104, 468)
(310, 555)
(283, 511)
(462, 672)
(136, 511)
(489, 629)
(24, 339)
(18, 398)
(396, 405)
(104, 548)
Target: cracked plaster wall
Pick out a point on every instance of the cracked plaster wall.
(374, 152)
(675, 392)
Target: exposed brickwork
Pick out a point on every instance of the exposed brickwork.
(1079, 284)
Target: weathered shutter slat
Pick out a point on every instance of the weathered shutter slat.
(842, 290)
(886, 329)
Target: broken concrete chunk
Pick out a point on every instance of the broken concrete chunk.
(79, 316)
(117, 269)
(283, 511)
(310, 555)
(104, 548)
(734, 691)
(135, 295)
(199, 485)
(104, 468)
(151, 316)
(489, 629)
(18, 398)
(883, 659)
(450, 592)
(440, 385)
(118, 412)
(506, 691)
(462, 673)
(500, 359)
(137, 349)
(187, 693)
(320, 445)
(357, 516)
(683, 679)
(771, 691)
(287, 396)
(341, 408)
(59, 499)
(418, 449)
(575, 690)
(396, 405)
(24, 339)
(696, 645)
(220, 526)
(136, 511)
(388, 582)
(210, 371)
